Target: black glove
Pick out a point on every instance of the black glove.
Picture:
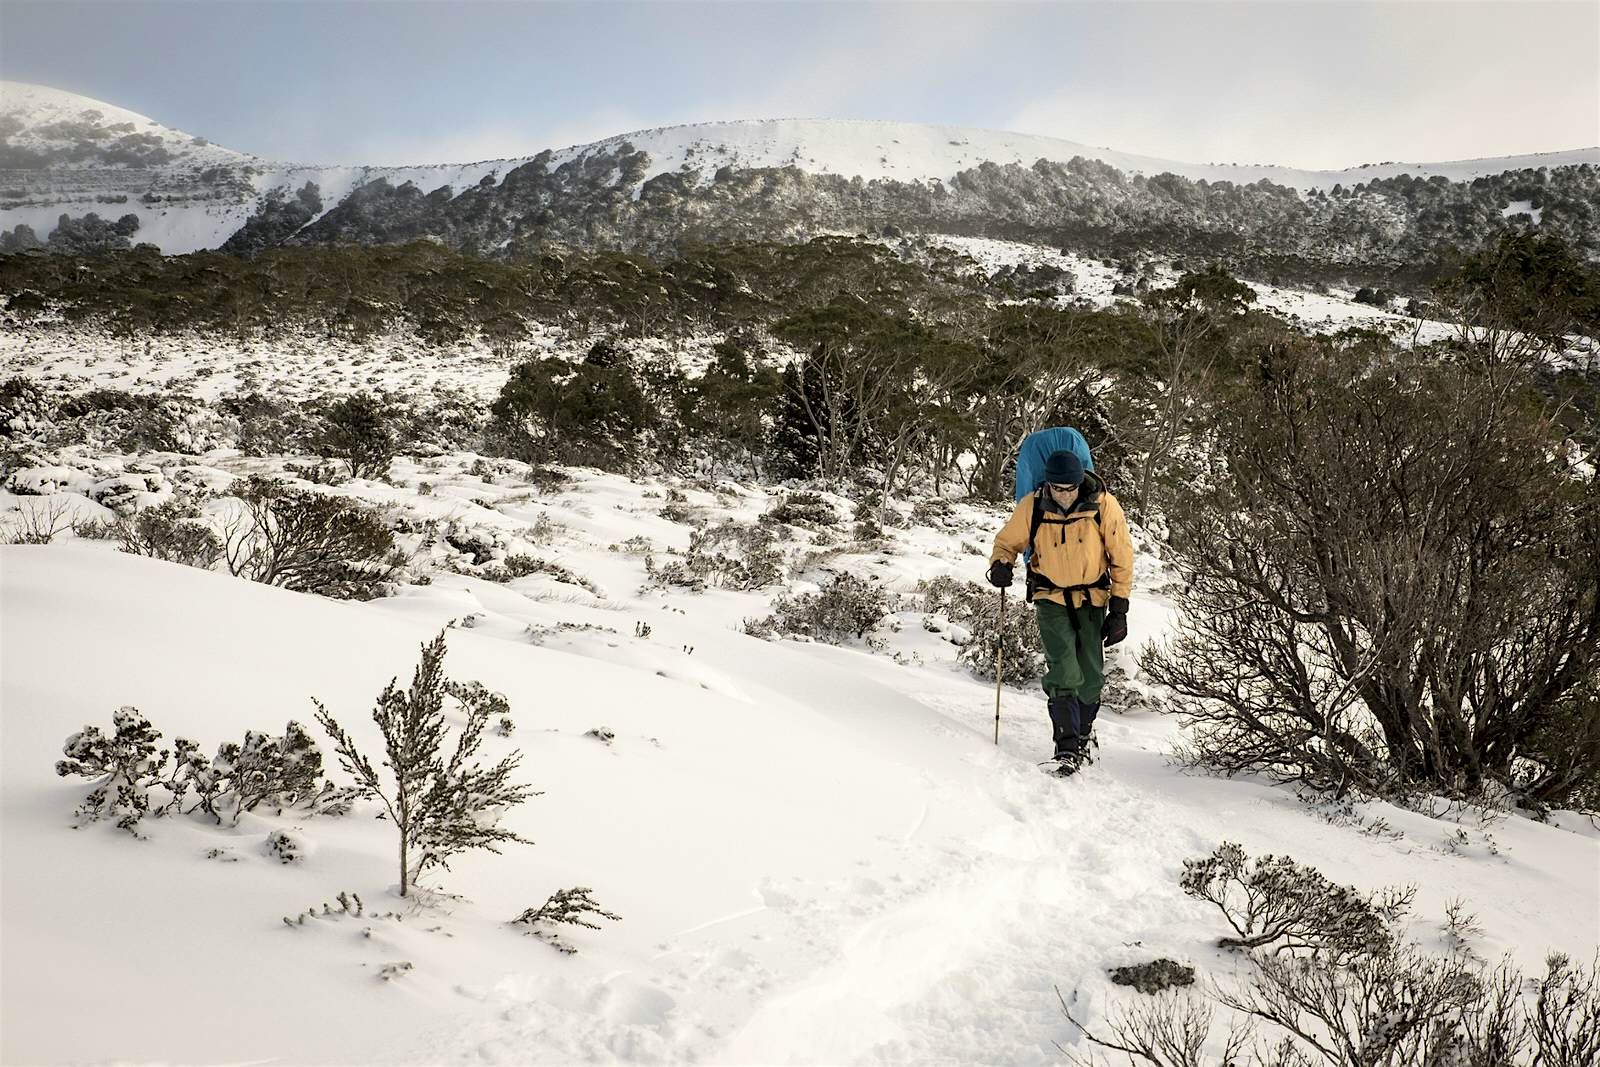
(1116, 625)
(1000, 574)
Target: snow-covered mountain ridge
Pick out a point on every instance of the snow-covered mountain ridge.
(652, 189)
(875, 150)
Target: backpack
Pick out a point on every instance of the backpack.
(1036, 448)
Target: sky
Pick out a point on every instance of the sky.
(1315, 85)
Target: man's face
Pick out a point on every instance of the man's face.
(1063, 495)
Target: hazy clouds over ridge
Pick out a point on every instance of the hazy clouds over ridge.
(1314, 85)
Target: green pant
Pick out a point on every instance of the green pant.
(1073, 655)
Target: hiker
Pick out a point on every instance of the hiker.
(1078, 579)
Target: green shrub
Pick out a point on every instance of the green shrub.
(309, 541)
(845, 608)
(358, 430)
(172, 531)
(975, 608)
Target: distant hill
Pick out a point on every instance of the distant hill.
(64, 158)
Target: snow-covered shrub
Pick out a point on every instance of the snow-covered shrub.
(933, 511)
(172, 531)
(564, 907)
(847, 607)
(1397, 1008)
(200, 429)
(868, 525)
(678, 509)
(453, 421)
(48, 480)
(268, 426)
(286, 846)
(439, 805)
(677, 574)
(1349, 1000)
(325, 472)
(975, 609)
(114, 420)
(1278, 902)
(309, 541)
(803, 508)
(136, 779)
(124, 493)
(27, 412)
(521, 565)
(753, 560)
(126, 766)
(280, 773)
(480, 543)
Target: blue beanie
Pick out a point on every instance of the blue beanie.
(1063, 468)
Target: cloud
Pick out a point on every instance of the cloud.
(495, 139)
(1332, 87)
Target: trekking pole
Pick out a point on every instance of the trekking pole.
(999, 646)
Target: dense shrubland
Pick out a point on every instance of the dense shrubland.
(1391, 580)
(1388, 553)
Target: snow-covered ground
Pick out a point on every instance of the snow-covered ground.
(295, 363)
(1094, 281)
(818, 853)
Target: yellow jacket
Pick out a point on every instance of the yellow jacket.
(1073, 549)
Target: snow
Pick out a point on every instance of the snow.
(818, 853)
(1522, 207)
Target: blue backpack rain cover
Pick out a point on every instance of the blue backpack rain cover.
(1036, 448)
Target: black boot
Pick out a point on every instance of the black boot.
(1088, 743)
(1065, 714)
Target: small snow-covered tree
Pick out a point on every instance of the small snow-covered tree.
(440, 807)
(262, 770)
(126, 765)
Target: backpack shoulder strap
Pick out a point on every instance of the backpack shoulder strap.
(1036, 518)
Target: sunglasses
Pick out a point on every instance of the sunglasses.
(1058, 487)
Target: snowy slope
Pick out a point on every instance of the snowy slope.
(818, 853)
(48, 120)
